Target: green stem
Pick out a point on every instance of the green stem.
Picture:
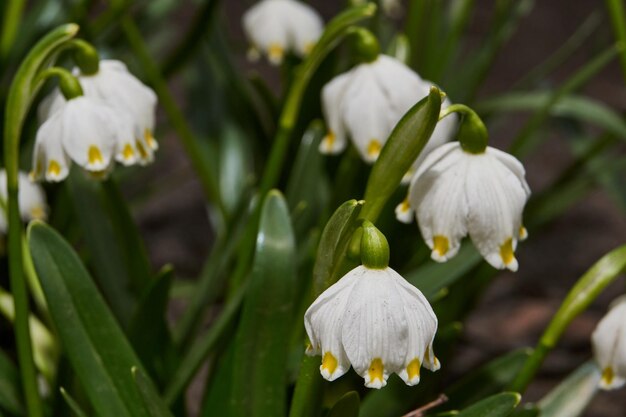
(618, 19)
(12, 17)
(588, 287)
(190, 143)
(472, 133)
(23, 89)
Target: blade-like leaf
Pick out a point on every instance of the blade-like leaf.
(405, 143)
(10, 394)
(259, 374)
(71, 402)
(499, 405)
(572, 396)
(95, 345)
(347, 406)
(151, 399)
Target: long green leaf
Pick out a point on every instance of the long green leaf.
(95, 345)
(573, 395)
(347, 406)
(151, 399)
(405, 143)
(71, 402)
(499, 405)
(578, 107)
(11, 399)
(259, 374)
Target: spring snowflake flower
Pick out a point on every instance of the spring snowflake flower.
(376, 321)
(116, 87)
(455, 192)
(83, 130)
(277, 26)
(366, 103)
(31, 198)
(609, 345)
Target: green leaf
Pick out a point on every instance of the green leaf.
(499, 405)
(151, 399)
(334, 243)
(235, 163)
(74, 406)
(578, 107)
(106, 255)
(148, 331)
(10, 391)
(572, 396)
(487, 380)
(405, 143)
(259, 374)
(95, 345)
(347, 406)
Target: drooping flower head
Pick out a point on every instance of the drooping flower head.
(366, 103)
(113, 85)
(277, 26)
(376, 321)
(455, 193)
(31, 198)
(609, 345)
(83, 130)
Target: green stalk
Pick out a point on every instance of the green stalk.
(588, 287)
(190, 143)
(23, 89)
(618, 19)
(335, 31)
(12, 18)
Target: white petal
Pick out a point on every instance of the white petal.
(366, 115)
(404, 211)
(513, 164)
(266, 28)
(441, 205)
(434, 157)
(304, 27)
(52, 103)
(496, 199)
(333, 95)
(609, 346)
(89, 133)
(374, 330)
(32, 199)
(402, 86)
(50, 160)
(323, 324)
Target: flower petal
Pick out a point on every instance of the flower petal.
(609, 346)
(333, 95)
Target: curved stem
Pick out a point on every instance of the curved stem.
(12, 17)
(588, 287)
(472, 132)
(23, 89)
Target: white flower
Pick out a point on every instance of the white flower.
(84, 130)
(455, 192)
(31, 199)
(125, 94)
(376, 321)
(367, 102)
(276, 26)
(609, 345)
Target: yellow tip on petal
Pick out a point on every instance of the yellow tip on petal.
(607, 376)
(38, 213)
(506, 252)
(142, 150)
(275, 53)
(523, 233)
(128, 152)
(54, 168)
(94, 156)
(441, 245)
(375, 372)
(373, 148)
(405, 206)
(329, 140)
(413, 369)
(149, 138)
(308, 47)
(329, 363)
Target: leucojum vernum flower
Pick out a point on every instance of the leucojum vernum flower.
(609, 345)
(32, 200)
(374, 320)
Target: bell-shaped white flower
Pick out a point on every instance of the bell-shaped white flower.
(83, 130)
(609, 345)
(455, 193)
(134, 102)
(367, 102)
(277, 26)
(31, 199)
(378, 322)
